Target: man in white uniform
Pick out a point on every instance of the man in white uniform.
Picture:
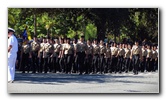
(12, 54)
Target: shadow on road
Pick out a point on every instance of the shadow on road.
(52, 78)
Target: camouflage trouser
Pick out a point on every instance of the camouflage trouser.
(47, 63)
(35, 61)
(135, 61)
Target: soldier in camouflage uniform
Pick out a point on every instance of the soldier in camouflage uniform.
(46, 55)
(136, 56)
(35, 46)
(144, 54)
(61, 55)
(154, 59)
(148, 58)
(81, 48)
(107, 58)
(25, 54)
(96, 50)
(127, 57)
(120, 56)
(114, 52)
(75, 60)
(88, 59)
(40, 55)
(69, 54)
(102, 53)
(56, 47)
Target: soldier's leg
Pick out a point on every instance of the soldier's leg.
(33, 63)
(86, 65)
(147, 65)
(23, 63)
(95, 63)
(126, 62)
(36, 62)
(40, 62)
(54, 64)
(113, 64)
(105, 65)
(120, 64)
(76, 63)
(45, 65)
(90, 63)
(102, 64)
(133, 63)
(67, 63)
(27, 62)
(81, 61)
(144, 64)
(70, 62)
(136, 64)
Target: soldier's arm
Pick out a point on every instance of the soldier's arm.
(11, 42)
(9, 48)
(62, 51)
(140, 54)
(30, 52)
(156, 56)
(43, 51)
(86, 48)
(117, 53)
(110, 54)
(30, 55)
(75, 50)
(131, 53)
(92, 52)
(52, 50)
(38, 53)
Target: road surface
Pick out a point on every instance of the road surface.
(147, 82)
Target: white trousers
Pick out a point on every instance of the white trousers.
(11, 65)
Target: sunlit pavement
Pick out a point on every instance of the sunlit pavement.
(147, 82)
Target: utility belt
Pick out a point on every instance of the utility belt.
(81, 52)
(96, 54)
(34, 52)
(102, 55)
(127, 58)
(25, 53)
(56, 54)
(114, 55)
(136, 54)
(120, 56)
(47, 53)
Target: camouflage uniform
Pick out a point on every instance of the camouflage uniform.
(35, 46)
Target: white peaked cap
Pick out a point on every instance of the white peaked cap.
(11, 29)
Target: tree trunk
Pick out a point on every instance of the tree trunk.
(114, 37)
(101, 30)
(35, 24)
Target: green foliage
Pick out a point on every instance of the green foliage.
(91, 31)
(113, 23)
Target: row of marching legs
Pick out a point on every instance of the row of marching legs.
(89, 64)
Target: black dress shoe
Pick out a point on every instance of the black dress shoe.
(11, 81)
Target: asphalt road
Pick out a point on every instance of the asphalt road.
(95, 83)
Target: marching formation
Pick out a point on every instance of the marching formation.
(85, 57)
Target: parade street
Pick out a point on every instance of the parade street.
(147, 82)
